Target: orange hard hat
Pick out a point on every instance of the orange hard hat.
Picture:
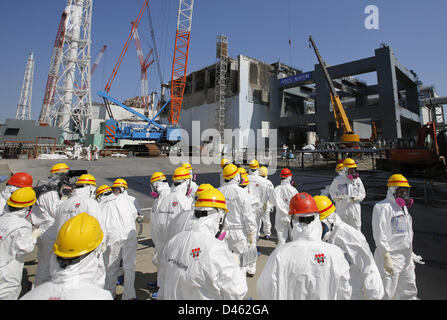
(285, 173)
(302, 203)
(21, 180)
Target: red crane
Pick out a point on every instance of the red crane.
(56, 58)
(180, 61)
(144, 64)
(98, 59)
(126, 46)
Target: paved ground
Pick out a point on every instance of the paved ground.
(430, 239)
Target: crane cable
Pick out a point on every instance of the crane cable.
(290, 40)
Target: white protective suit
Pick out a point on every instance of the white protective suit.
(168, 206)
(133, 201)
(305, 268)
(393, 233)
(201, 267)
(365, 279)
(75, 282)
(342, 190)
(256, 206)
(89, 153)
(280, 198)
(4, 196)
(16, 241)
(43, 216)
(259, 189)
(240, 219)
(80, 201)
(96, 153)
(265, 215)
(121, 242)
(163, 189)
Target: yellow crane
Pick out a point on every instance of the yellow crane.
(341, 120)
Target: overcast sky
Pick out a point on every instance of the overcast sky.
(256, 28)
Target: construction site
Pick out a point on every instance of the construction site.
(307, 119)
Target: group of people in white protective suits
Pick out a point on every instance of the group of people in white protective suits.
(205, 237)
(84, 236)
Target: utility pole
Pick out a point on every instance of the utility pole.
(24, 106)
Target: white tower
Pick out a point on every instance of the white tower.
(24, 106)
(71, 106)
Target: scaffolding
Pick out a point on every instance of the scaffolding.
(221, 81)
(69, 104)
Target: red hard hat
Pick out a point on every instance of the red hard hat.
(21, 180)
(302, 203)
(285, 173)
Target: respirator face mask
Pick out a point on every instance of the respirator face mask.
(402, 196)
(352, 173)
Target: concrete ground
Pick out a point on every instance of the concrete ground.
(430, 237)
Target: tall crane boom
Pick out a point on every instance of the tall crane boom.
(126, 46)
(144, 64)
(180, 60)
(56, 58)
(98, 59)
(339, 112)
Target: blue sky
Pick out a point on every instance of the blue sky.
(256, 28)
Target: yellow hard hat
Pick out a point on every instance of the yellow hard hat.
(398, 180)
(203, 187)
(158, 176)
(223, 162)
(86, 179)
(59, 168)
(120, 183)
(339, 167)
(242, 171)
(22, 198)
(181, 174)
(245, 181)
(211, 198)
(349, 163)
(254, 164)
(230, 171)
(187, 166)
(78, 236)
(325, 206)
(263, 171)
(103, 189)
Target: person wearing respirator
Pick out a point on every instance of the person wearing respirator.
(347, 191)
(83, 199)
(44, 215)
(280, 198)
(159, 190)
(197, 265)
(75, 263)
(305, 268)
(194, 186)
(120, 239)
(17, 239)
(365, 278)
(241, 223)
(174, 203)
(393, 235)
